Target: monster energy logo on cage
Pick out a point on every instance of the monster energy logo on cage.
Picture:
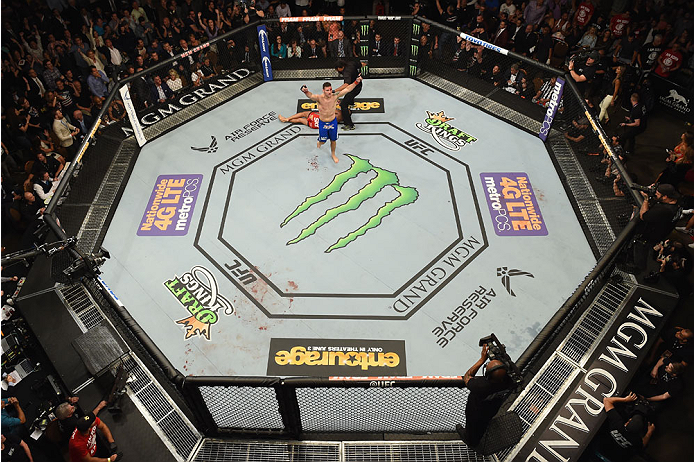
(383, 178)
(415, 50)
(364, 30)
(413, 69)
(364, 50)
(415, 29)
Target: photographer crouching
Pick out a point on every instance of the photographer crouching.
(488, 392)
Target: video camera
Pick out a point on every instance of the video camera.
(497, 351)
(87, 265)
(580, 57)
(649, 190)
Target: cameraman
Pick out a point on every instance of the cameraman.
(657, 214)
(628, 435)
(485, 398)
(657, 220)
(583, 72)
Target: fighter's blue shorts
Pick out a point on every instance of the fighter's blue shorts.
(327, 131)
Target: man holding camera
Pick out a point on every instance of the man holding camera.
(485, 398)
(631, 434)
(657, 213)
(583, 71)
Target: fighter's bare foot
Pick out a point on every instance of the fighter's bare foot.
(335, 159)
(282, 118)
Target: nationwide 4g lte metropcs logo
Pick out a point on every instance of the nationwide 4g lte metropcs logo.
(198, 292)
(445, 134)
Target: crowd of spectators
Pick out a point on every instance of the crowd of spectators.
(61, 58)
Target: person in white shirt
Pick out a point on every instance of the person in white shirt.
(43, 185)
(283, 10)
(115, 55)
(175, 83)
(509, 8)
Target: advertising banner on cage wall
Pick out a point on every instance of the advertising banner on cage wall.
(552, 108)
(132, 115)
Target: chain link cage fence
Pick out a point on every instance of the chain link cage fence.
(518, 90)
(214, 72)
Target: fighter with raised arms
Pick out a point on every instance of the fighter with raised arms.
(327, 104)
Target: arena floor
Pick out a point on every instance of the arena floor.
(243, 249)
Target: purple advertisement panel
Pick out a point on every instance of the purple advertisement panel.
(552, 107)
(170, 208)
(513, 205)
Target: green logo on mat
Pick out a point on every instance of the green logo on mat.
(383, 179)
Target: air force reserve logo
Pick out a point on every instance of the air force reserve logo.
(383, 179)
(506, 274)
(211, 149)
(444, 134)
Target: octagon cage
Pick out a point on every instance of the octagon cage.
(272, 406)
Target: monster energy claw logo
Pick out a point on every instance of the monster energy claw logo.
(384, 178)
(415, 50)
(413, 70)
(415, 29)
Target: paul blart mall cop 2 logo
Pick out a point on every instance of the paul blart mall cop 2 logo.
(445, 134)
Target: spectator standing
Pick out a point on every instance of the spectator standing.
(649, 54)
(508, 7)
(584, 13)
(627, 50)
(613, 92)
(669, 61)
(65, 132)
(619, 24)
(50, 74)
(97, 82)
(283, 10)
(535, 12)
(634, 125)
